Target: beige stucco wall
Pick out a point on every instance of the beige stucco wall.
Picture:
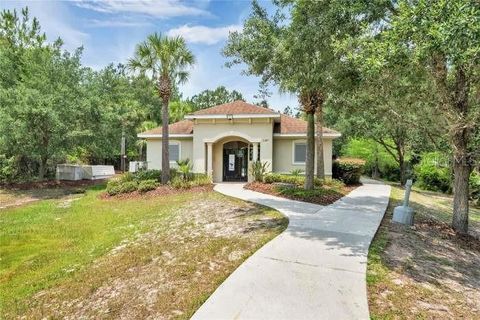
(283, 155)
(221, 131)
(154, 151)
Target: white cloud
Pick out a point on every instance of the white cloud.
(55, 20)
(155, 8)
(107, 23)
(203, 34)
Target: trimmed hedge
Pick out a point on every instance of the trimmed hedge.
(348, 170)
(147, 185)
(298, 180)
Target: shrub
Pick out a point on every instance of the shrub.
(197, 180)
(475, 187)
(433, 173)
(348, 170)
(296, 172)
(185, 169)
(127, 176)
(200, 179)
(258, 170)
(179, 183)
(147, 185)
(151, 174)
(8, 169)
(285, 178)
(334, 183)
(129, 186)
(117, 186)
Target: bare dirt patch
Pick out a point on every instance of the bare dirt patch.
(13, 195)
(425, 271)
(169, 271)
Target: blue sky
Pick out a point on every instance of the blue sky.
(109, 31)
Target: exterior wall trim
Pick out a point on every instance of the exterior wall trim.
(304, 135)
(173, 135)
(231, 134)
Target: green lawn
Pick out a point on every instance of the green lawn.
(48, 243)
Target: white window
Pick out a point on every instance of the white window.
(174, 151)
(299, 152)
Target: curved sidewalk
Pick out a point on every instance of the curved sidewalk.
(316, 269)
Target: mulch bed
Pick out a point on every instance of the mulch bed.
(324, 199)
(160, 191)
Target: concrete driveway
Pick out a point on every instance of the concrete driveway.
(316, 269)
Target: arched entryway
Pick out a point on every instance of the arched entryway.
(235, 161)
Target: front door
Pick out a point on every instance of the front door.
(235, 161)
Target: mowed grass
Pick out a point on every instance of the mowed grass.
(47, 241)
(157, 256)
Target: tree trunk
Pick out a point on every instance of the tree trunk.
(165, 91)
(319, 141)
(165, 143)
(42, 167)
(310, 161)
(461, 166)
(461, 172)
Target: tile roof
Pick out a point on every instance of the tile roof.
(289, 125)
(180, 127)
(235, 107)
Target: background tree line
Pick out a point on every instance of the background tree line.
(54, 110)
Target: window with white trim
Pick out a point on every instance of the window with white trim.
(174, 151)
(299, 152)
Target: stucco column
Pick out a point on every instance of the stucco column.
(255, 151)
(209, 159)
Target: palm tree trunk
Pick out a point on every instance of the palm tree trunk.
(164, 89)
(310, 161)
(319, 141)
(165, 142)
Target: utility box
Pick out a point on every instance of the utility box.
(97, 172)
(69, 172)
(74, 172)
(135, 166)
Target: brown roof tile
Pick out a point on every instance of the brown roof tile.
(180, 127)
(289, 125)
(235, 107)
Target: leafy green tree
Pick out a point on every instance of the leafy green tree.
(211, 98)
(166, 60)
(444, 38)
(38, 110)
(295, 49)
(178, 109)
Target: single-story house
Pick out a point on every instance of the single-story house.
(223, 140)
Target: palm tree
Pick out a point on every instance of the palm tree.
(165, 59)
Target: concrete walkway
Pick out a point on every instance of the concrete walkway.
(316, 269)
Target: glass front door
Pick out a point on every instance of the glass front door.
(235, 161)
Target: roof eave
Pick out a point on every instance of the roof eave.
(159, 135)
(231, 116)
